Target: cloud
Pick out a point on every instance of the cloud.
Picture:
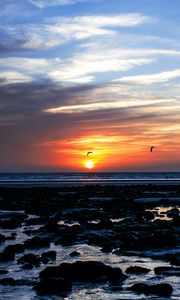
(47, 3)
(32, 136)
(58, 31)
(80, 69)
(86, 65)
(12, 77)
(150, 78)
(80, 108)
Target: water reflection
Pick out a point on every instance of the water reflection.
(161, 212)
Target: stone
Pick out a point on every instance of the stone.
(175, 259)
(74, 254)
(2, 238)
(29, 258)
(148, 215)
(2, 272)
(48, 256)
(162, 289)
(83, 271)
(53, 286)
(8, 281)
(16, 248)
(6, 256)
(12, 223)
(167, 271)
(137, 270)
(37, 242)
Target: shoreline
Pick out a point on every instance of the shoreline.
(97, 182)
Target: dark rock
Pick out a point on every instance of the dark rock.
(56, 286)
(137, 270)
(6, 256)
(27, 266)
(98, 240)
(116, 288)
(8, 281)
(17, 248)
(2, 272)
(48, 256)
(175, 259)
(105, 224)
(37, 242)
(167, 271)
(148, 215)
(12, 223)
(36, 221)
(30, 258)
(162, 290)
(173, 213)
(107, 248)
(74, 254)
(83, 271)
(2, 238)
(27, 282)
(66, 240)
(10, 238)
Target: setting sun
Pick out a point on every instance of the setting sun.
(89, 164)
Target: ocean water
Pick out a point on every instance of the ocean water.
(87, 178)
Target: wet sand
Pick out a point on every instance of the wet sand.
(90, 242)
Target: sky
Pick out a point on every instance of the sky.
(89, 75)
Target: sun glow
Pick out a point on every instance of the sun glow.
(89, 164)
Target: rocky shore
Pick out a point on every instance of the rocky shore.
(91, 242)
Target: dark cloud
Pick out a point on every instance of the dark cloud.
(24, 127)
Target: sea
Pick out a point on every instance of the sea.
(88, 178)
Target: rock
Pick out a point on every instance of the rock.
(137, 270)
(83, 271)
(27, 266)
(56, 286)
(74, 254)
(167, 271)
(105, 224)
(36, 221)
(2, 272)
(162, 289)
(29, 258)
(99, 239)
(10, 238)
(8, 281)
(175, 259)
(7, 255)
(16, 248)
(2, 238)
(12, 223)
(107, 248)
(116, 288)
(48, 256)
(13, 234)
(148, 215)
(37, 242)
(27, 282)
(173, 213)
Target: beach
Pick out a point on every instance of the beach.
(90, 242)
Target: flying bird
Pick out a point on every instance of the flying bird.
(90, 152)
(151, 149)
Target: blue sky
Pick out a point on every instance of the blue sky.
(71, 69)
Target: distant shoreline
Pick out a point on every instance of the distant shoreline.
(80, 182)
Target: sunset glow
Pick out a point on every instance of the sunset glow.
(89, 164)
